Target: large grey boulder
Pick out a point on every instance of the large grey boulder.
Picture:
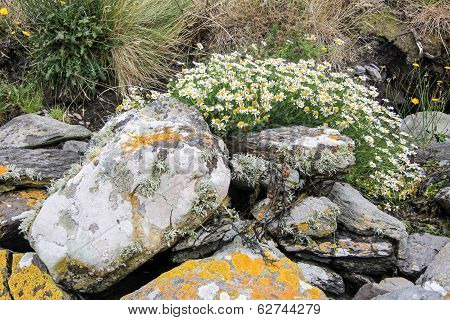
(417, 251)
(312, 151)
(372, 290)
(437, 275)
(322, 277)
(412, 293)
(361, 216)
(437, 152)
(156, 175)
(33, 131)
(423, 126)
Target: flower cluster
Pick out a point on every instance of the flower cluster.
(236, 92)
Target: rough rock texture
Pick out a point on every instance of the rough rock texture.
(159, 174)
(12, 206)
(413, 293)
(361, 216)
(437, 275)
(437, 152)
(36, 166)
(348, 252)
(315, 217)
(5, 273)
(79, 147)
(443, 199)
(208, 239)
(423, 125)
(233, 273)
(372, 290)
(312, 151)
(33, 131)
(323, 278)
(417, 251)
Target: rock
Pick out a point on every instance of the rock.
(31, 281)
(443, 199)
(372, 290)
(33, 131)
(233, 273)
(312, 151)
(158, 174)
(437, 275)
(323, 278)
(249, 171)
(208, 239)
(34, 167)
(354, 281)
(359, 70)
(348, 252)
(12, 207)
(417, 251)
(315, 217)
(79, 147)
(374, 73)
(424, 126)
(5, 273)
(437, 152)
(361, 216)
(413, 293)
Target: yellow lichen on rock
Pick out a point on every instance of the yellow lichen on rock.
(5, 271)
(32, 196)
(236, 274)
(138, 142)
(15, 262)
(30, 283)
(3, 170)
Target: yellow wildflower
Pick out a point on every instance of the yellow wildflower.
(435, 100)
(241, 124)
(4, 11)
(447, 67)
(25, 33)
(415, 101)
(416, 65)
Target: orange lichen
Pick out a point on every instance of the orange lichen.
(138, 142)
(3, 170)
(315, 294)
(335, 137)
(4, 275)
(243, 263)
(15, 262)
(216, 270)
(32, 196)
(303, 227)
(30, 283)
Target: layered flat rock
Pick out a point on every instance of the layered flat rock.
(233, 273)
(34, 166)
(437, 275)
(156, 175)
(416, 252)
(372, 290)
(443, 199)
(312, 151)
(436, 152)
(423, 126)
(361, 216)
(413, 293)
(322, 277)
(33, 131)
(12, 206)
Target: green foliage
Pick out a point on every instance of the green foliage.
(26, 97)
(70, 43)
(57, 113)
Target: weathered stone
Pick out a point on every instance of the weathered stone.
(33, 131)
(158, 174)
(354, 281)
(208, 239)
(79, 147)
(413, 293)
(437, 275)
(5, 273)
(315, 217)
(374, 73)
(322, 277)
(12, 206)
(233, 273)
(423, 126)
(361, 216)
(312, 151)
(417, 251)
(365, 255)
(31, 281)
(437, 152)
(443, 199)
(34, 167)
(372, 290)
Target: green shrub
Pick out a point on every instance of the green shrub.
(69, 43)
(238, 93)
(26, 97)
